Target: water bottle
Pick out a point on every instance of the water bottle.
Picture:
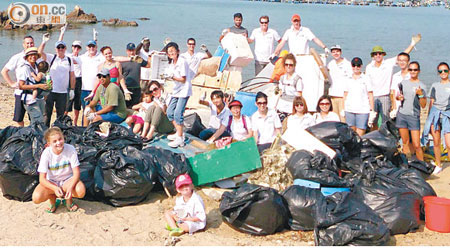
(48, 81)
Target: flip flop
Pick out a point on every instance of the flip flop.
(52, 208)
(176, 232)
(72, 207)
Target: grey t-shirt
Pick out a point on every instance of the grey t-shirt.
(240, 30)
(411, 105)
(440, 93)
(131, 72)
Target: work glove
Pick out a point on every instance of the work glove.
(203, 47)
(372, 116)
(128, 95)
(277, 90)
(63, 28)
(89, 97)
(393, 114)
(87, 111)
(45, 37)
(136, 59)
(327, 51)
(91, 116)
(71, 94)
(94, 34)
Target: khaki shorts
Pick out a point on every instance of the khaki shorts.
(337, 103)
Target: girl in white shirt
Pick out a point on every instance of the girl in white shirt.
(300, 118)
(323, 108)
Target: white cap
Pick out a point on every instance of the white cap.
(337, 46)
(76, 43)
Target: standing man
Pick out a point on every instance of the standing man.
(61, 72)
(131, 71)
(397, 78)
(237, 28)
(143, 50)
(90, 62)
(264, 39)
(14, 63)
(194, 58)
(379, 72)
(111, 100)
(340, 71)
(298, 38)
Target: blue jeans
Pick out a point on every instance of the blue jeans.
(112, 117)
(36, 111)
(207, 133)
(175, 109)
(84, 94)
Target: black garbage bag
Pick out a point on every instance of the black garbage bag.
(19, 161)
(338, 136)
(254, 210)
(388, 128)
(301, 202)
(314, 167)
(376, 143)
(398, 207)
(72, 134)
(425, 169)
(346, 220)
(6, 133)
(193, 124)
(169, 166)
(87, 156)
(123, 177)
(119, 137)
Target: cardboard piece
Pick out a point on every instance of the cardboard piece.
(302, 139)
(237, 46)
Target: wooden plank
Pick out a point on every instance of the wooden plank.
(234, 159)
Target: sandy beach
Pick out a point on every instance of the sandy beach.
(97, 224)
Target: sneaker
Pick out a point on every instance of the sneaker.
(176, 232)
(437, 170)
(172, 137)
(178, 142)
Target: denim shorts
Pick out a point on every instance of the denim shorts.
(356, 120)
(175, 109)
(112, 117)
(407, 121)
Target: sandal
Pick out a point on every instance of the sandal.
(52, 208)
(176, 232)
(72, 207)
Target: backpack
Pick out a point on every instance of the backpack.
(230, 120)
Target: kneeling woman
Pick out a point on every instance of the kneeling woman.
(239, 126)
(155, 120)
(439, 114)
(408, 117)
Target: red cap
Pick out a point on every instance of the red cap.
(295, 17)
(235, 103)
(183, 179)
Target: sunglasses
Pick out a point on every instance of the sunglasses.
(76, 47)
(296, 21)
(324, 104)
(100, 77)
(377, 53)
(261, 103)
(91, 46)
(413, 70)
(154, 89)
(60, 47)
(359, 66)
(193, 44)
(289, 64)
(263, 22)
(299, 104)
(444, 70)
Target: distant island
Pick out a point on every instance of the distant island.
(381, 3)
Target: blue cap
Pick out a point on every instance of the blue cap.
(103, 72)
(91, 42)
(60, 43)
(131, 46)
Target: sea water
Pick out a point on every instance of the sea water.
(356, 28)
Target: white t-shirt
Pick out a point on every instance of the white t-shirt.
(60, 72)
(298, 40)
(194, 207)
(397, 78)
(238, 131)
(180, 69)
(296, 122)
(289, 87)
(331, 117)
(76, 62)
(58, 167)
(13, 65)
(265, 126)
(357, 100)
(194, 62)
(23, 74)
(145, 72)
(339, 74)
(264, 43)
(381, 77)
(144, 108)
(216, 119)
(89, 70)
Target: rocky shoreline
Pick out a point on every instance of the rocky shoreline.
(76, 16)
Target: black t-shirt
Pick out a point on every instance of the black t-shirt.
(131, 72)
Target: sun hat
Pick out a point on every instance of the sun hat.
(183, 179)
(103, 72)
(235, 103)
(60, 43)
(295, 17)
(377, 49)
(31, 51)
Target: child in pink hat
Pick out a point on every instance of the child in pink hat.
(188, 215)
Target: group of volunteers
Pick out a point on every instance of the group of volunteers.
(119, 89)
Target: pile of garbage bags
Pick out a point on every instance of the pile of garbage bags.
(384, 197)
(113, 166)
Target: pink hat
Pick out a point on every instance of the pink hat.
(183, 179)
